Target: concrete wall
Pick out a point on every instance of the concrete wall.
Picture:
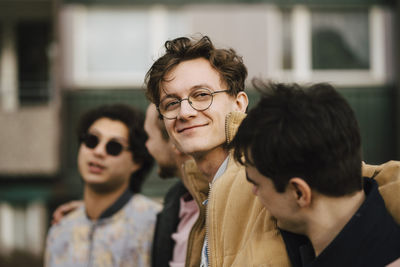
(29, 143)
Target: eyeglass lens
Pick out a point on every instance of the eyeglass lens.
(200, 100)
(113, 148)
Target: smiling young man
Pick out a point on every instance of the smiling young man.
(115, 225)
(302, 152)
(199, 92)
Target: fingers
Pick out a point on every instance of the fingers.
(64, 209)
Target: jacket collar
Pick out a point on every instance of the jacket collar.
(232, 123)
(195, 182)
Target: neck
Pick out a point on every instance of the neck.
(210, 162)
(180, 159)
(96, 203)
(329, 216)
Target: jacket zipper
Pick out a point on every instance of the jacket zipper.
(208, 223)
(208, 243)
(91, 234)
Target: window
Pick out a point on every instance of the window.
(33, 43)
(286, 38)
(340, 39)
(346, 46)
(114, 47)
(116, 41)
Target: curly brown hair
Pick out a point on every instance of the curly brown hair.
(226, 62)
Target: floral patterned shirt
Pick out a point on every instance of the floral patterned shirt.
(122, 236)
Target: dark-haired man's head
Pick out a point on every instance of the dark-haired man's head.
(309, 134)
(112, 151)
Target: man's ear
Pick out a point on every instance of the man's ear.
(301, 191)
(241, 102)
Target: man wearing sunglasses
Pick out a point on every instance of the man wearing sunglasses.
(115, 225)
(199, 93)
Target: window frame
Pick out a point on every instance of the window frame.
(302, 72)
(76, 74)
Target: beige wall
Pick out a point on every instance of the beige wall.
(243, 27)
(29, 141)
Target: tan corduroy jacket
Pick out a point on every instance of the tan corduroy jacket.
(240, 230)
(387, 176)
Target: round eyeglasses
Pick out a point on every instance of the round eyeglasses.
(199, 99)
(113, 147)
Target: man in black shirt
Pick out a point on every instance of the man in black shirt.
(302, 152)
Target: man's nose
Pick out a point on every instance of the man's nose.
(100, 149)
(186, 110)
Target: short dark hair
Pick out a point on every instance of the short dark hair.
(134, 121)
(226, 62)
(311, 133)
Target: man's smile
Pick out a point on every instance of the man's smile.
(191, 127)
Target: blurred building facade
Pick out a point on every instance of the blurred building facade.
(59, 58)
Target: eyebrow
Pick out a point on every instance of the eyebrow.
(174, 95)
(169, 96)
(202, 85)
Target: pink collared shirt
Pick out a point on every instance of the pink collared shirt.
(188, 214)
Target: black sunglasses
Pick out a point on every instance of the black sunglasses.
(113, 147)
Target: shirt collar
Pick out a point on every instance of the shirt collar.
(362, 223)
(117, 205)
(221, 170)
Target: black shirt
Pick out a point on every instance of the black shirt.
(370, 238)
